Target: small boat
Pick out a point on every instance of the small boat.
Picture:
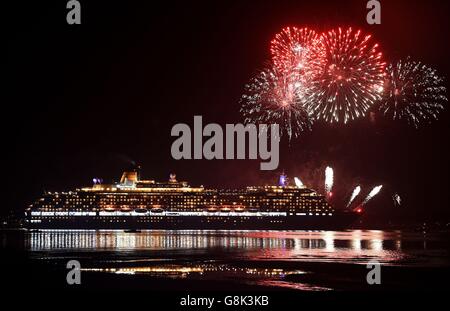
(109, 208)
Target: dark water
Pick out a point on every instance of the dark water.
(216, 260)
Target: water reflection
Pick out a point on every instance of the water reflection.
(183, 271)
(271, 277)
(336, 246)
(300, 260)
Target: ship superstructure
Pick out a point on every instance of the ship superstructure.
(146, 204)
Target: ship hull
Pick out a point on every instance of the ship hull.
(310, 222)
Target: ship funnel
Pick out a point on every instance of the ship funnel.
(129, 178)
(173, 178)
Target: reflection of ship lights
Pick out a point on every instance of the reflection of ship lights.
(312, 246)
(376, 243)
(329, 241)
(356, 241)
(183, 271)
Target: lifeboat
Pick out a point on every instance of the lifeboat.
(253, 210)
(110, 208)
(141, 210)
(212, 208)
(239, 210)
(125, 208)
(157, 209)
(225, 209)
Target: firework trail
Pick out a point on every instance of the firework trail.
(272, 97)
(298, 182)
(329, 180)
(351, 77)
(413, 92)
(354, 195)
(372, 193)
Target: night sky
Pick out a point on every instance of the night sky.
(88, 100)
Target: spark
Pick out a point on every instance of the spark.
(397, 199)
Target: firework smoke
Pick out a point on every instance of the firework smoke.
(355, 193)
(413, 92)
(372, 193)
(329, 178)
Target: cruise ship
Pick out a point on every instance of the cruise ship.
(134, 204)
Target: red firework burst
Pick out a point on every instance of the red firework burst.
(350, 79)
(297, 52)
